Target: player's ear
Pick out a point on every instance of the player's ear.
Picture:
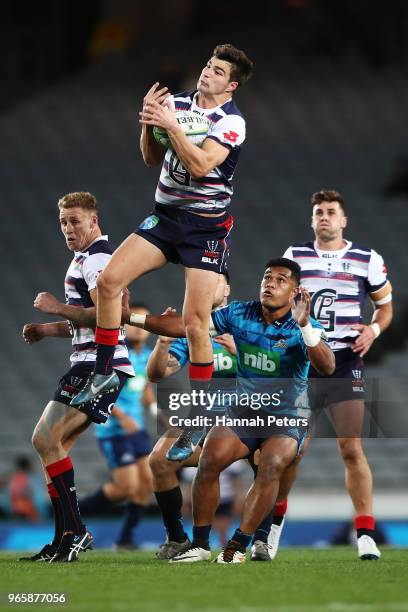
(232, 86)
(227, 291)
(344, 222)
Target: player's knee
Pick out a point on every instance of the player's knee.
(109, 284)
(270, 468)
(160, 466)
(209, 467)
(351, 450)
(41, 439)
(195, 329)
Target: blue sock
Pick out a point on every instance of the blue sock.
(201, 536)
(241, 538)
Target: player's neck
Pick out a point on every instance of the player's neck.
(95, 234)
(337, 244)
(203, 101)
(271, 315)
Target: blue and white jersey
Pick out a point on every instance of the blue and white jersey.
(338, 282)
(271, 358)
(79, 281)
(211, 193)
(225, 365)
(130, 397)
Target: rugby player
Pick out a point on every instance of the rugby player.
(125, 443)
(167, 358)
(339, 275)
(276, 342)
(190, 224)
(60, 424)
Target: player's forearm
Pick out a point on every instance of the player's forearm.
(322, 358)
(84, 317)
(57, 329)
(152, 152)
(162, 325)
(382, 316)
(157, 364)
(194, 159)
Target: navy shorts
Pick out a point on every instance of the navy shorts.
(189, 239)
(75, 379)
(285, 426)
(125, 450)
(347, 382)
(225, 508)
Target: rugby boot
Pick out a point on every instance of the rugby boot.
(71, 545)
(185, 444)
(45, 554)
(96, 386)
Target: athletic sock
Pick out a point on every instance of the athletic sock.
(200, 375)
(96, 503)
(133, 514)
(241, 538)
(107, 339)
(263, 529)
(201, 536)
(62, 475)
(279, 512)
(365, 525)
(170, 503)
(58, 515)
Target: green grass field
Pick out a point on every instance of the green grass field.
(299, 580)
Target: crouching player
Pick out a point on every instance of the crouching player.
(276, 341)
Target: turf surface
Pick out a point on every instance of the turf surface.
(299, 580)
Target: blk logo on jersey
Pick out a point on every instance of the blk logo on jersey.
(260, 360)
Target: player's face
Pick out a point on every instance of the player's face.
(215, 78)
(277, 287)
(78, 226)
(328, 220)
(222, 292)
(136, 334)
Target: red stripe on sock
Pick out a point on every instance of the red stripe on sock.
(107, 336)
(364, 522)
(52, 491)
(63, 465)
(200, 371)
(280, 508)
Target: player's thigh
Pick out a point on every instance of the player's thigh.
(144, 473)
(199, 295)
(348, 418)
(222, 447)
(125, 477)
(72, 436)
(133, 258)
(59, 421)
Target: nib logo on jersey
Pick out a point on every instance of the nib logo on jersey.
(260, 361)
(211, 254)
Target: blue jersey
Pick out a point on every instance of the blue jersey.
(225, 364)
(271, 358)
(130, 397)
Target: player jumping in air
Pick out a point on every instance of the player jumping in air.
(190, 224)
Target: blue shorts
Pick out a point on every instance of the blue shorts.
(189, 239)
(75, 379)
(347, 382)
(125, 450)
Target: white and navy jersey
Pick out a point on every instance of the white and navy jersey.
(338, 283)
(211, 193)
(79, 281)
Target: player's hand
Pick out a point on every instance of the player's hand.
(301, 307)
(128, 424)
(33, 332)
(156, 94)
(227, 341)
(364, 340)
(161, 115)
(167, 339)
(46, 302)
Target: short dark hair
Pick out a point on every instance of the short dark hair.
(227, 277)
(284, 262)
(241, 69)
(80, 199)
(327, 195)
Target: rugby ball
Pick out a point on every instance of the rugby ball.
(195, 127)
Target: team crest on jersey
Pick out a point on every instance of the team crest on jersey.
(149, 223)
(211, 255)
(281, 344)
